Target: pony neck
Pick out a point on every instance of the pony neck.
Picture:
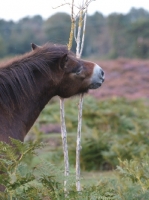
(18, 117)
(30, 110)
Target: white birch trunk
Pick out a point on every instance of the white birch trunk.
(79, 38)
(79, 49)
(78, 143)
(64, 141)
(83, 34)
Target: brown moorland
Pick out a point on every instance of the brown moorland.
(127, 78)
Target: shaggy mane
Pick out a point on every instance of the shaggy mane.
(17, 78)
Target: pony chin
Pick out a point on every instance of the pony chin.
(85, 91)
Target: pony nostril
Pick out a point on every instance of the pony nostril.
(102, 73)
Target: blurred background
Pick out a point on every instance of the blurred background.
(111, 36)
(116, 116)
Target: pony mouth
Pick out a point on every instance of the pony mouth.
(94, 86)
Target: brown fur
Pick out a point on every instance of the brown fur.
(28, 82)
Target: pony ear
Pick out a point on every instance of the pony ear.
(63, 61)
(34, 46)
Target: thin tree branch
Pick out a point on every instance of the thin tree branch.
(61, 5)
(72, 27)
(83, 33)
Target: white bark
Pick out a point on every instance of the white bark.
(78, 39)
(78, 143)
(83, 33)
(64, 141)
(79, 49)
(79, 36)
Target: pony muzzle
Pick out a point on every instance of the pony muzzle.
(97, 78)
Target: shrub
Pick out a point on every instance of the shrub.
(111, 128)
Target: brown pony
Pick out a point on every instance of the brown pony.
(29, 81)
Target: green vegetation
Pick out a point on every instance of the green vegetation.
(45, 181)
(112, 128)
(115, 136)
(117, 35)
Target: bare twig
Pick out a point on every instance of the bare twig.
(64, 4)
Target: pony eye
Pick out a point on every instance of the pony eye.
(79, 71)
